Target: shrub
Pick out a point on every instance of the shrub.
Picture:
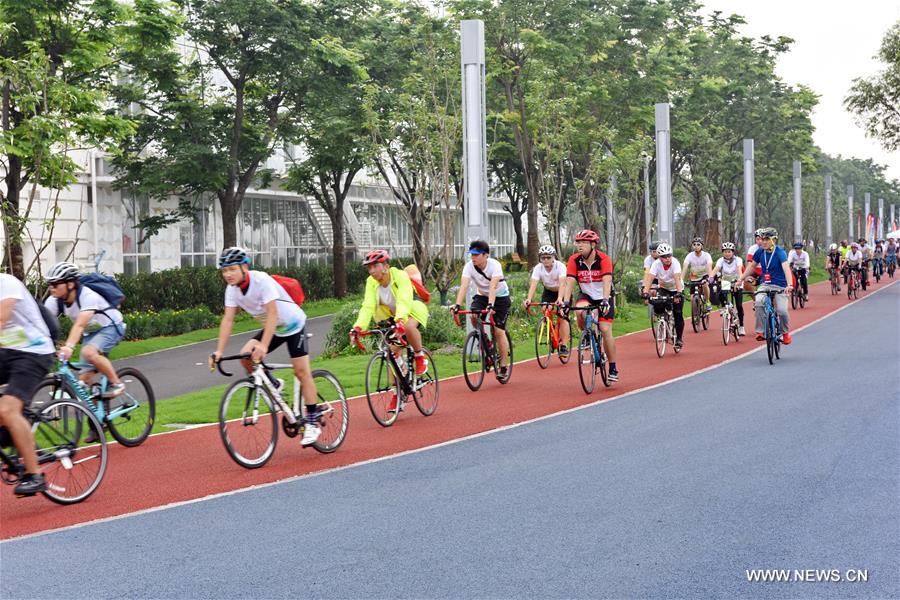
(141, 325)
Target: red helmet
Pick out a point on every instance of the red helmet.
(586, 235)
(376, 256)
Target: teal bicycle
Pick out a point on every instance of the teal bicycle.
(773, 330)
(129, 417)
(591, 355)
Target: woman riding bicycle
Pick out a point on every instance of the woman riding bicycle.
(730, 267)
(667, 273)
(552, 273)
(833, 263)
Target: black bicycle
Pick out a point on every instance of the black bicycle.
(699, 313)
(798, 298)
(480, 354)
(664, 323)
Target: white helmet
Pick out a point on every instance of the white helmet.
(832, 247)
(546, 249)
(64, 271)
(664, 249)
(728, 246)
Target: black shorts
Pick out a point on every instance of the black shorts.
(610, 314)
(549, 296)
(296, 344)
(501, 308)
(22, 372)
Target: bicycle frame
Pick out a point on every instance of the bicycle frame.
(66, 372)
(485, 328)
(548, 315)
(384, 346)
(593, 325)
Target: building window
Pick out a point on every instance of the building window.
(135, 252)
(199, 245)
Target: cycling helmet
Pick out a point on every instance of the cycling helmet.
(376, 256)
(233, 256)
(728, 246)
(664, 249)
(855, 246)
(697, 240)
(546, 250)
(768, 232)
(833, 247)
(654, 245)
(758, 232)
(64, 271)
(586, 235)
(797, 245)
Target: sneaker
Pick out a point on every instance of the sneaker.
(115, 389)
(504, 371)
(392, 405)
(709, 307)
(678, 344)
(563, 350)
(760, 337)
(786, 339)
(613, 375)
(31, 484)
(421, 364)
(741, 331)
(311, 433)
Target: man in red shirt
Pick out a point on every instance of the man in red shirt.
(593, 270)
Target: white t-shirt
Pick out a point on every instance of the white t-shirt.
(698, 266)
(25, 330)
(88, 299)
(665, 276)
(730, 270)
(262, 290)
(798, 259)
(386, 297)
(483, 284)
(551, 279)
(854, 258)
(648, 261)
(752, 251)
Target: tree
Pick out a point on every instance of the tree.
(876, 101)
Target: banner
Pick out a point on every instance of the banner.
(870, 228)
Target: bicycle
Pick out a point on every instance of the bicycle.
(773, 331)
(699, 313)
(591, 355)
(853, 284)
(864, 275)
(248, 413)
(72, 467)
(877, 269)
(833, 278)
(730, 319)
(891, 265)
(546, 336)
(797, 297)
(386, 375)
(129, 417)
(480, 353)
(664, 323)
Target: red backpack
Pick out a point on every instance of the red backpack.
(416, 278)
(292, 287)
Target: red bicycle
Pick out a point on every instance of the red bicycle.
(546, 336)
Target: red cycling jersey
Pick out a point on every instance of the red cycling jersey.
(590, 277)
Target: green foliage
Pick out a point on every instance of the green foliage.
(141, 325)
(876, 101)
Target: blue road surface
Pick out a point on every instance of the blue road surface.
(673, 492)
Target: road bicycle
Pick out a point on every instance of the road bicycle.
(773, 332)
(248, 413)
(877, 269)
(853, 283)
(73, 468)
(664, 323)
(834, 278)
(864, 275)
(391, 378)
(480, 353)
(699, 312)
(797, 296)
(129, 417)
(891, 265)
(731, 323)
(546, 335)
(591, 355)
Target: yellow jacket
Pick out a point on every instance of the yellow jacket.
(402, 289)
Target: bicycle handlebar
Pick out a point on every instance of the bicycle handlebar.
(541, 304)
(243, 356)
(474, 312)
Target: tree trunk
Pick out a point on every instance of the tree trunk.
(230, 207)
(517, 228)
(338, 256)
(13, 260)
(532, 230)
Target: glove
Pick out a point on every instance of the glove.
(677, 298)
(489, 307)
(400, 328)
(645, 295)
(454, 308)
(525, 303)
(354, 334)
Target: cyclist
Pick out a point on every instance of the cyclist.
(668, 273)
(552, 273)
(697, 264)
(730, 267)
(284, 322)
(654, 254)
(844, 249)
(833, 262)
(853, 261)
(753, 278)
(26, 355)
(91, 315)
(878, 258)
(492, 294)
(389, 293)
(593, 271)
(890, 253)
(798, 260)
(867, 256)
(776, 275)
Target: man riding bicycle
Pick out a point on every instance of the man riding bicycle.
(866, 252)
(833, 262)
(878, 258)
(798, 260)
(593, 271)
(853, 261)
(697, 264)
(552, 274)
(26, 355)
(730, 268)
(890, 254)
(776, 276)
(284, 322)
(667, 273)
(389, 294)
(492, 294)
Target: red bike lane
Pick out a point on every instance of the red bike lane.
(192, 464)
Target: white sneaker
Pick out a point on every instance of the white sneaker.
(741, 331)
(311, 433)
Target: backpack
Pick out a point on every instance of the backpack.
(50, 321)
(292, 287)
(106, 286)
(415, 276)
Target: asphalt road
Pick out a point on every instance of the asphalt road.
(176, 371)
(676, 491)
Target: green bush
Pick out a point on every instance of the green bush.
(146, 324)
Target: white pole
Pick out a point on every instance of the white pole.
(865, 220)
(798, 203)
(880, 228)
(829, 238)
(663, 175)
(474, 143)
(647, 197)
(849, 213)
(749, 200)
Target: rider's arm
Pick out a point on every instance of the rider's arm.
(679, 282)
(492, 290)
(531, 290)
(788, 276)
(78, 328)
(648, 278)
(463, 288)
(370, 303)
(748, 270)
(607, 286)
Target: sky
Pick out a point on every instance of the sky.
(835, 42)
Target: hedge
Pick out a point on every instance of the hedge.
(146, 324)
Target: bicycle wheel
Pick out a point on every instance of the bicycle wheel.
(334, 413)
(661, 334)
(704, 318)
(132, 428)
(509, 361)
(726, 326)
(543, 345)
(770, 340)
(652, 314)
(602, 366)
(856, 291)
(802, 300)
(696, 307)
(427, 389)
(586, 371)
(794, 299)
(72, 467)
(474, 364)
(248, 424)
(52, 390)
(382, 389)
